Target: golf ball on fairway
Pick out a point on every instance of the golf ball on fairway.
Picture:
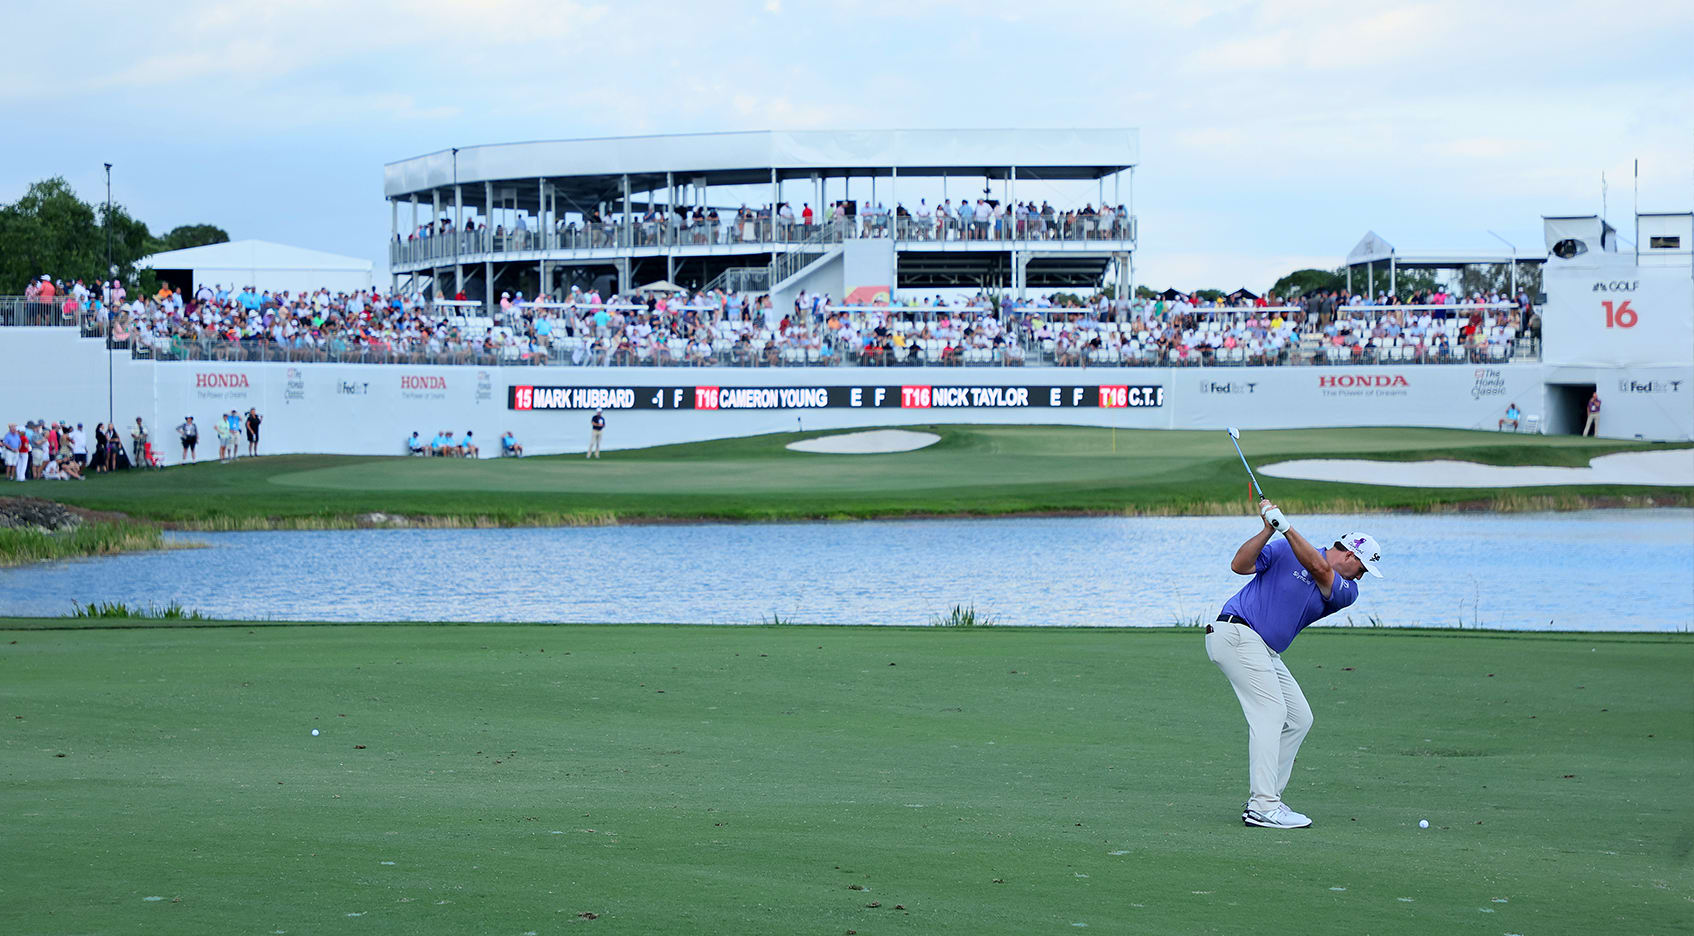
(1422, 823)
(315, 734)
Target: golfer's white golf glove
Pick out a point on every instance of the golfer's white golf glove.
(1274, 517)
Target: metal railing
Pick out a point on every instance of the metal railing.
(639, 233)
(567, 340)
(60, 310)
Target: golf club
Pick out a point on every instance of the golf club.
(1274, 517)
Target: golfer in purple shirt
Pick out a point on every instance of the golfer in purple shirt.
(1294, 584)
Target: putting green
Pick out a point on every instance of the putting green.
(975, 469)
(512, 779)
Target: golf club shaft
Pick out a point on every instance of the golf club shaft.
(1250, 477)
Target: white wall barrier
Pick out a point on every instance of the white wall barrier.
(371, 409)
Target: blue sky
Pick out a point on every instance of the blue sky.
(1273, 134)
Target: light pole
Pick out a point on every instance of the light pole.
(111, 315)
(457, 234)
(1514, 271)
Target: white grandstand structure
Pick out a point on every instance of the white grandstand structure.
(728, 210)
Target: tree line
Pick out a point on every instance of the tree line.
(52, 231)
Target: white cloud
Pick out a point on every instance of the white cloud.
(1273, 131)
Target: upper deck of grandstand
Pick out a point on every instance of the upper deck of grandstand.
(600, 171)
(764, 209)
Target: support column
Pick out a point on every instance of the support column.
(486, 242)
(665, 227)
(1123, 292)
(1012, 196)
(1393, 275)
(458, 238)
(434, 244)
(393, 239)
(627, 240)
(772, 234)
(893, 215)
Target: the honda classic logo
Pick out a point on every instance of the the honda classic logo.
(220, 381)
(1361, 381)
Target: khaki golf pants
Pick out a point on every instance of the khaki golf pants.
(1277, 714)
(593, 443)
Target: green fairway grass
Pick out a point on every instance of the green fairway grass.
(509, 779)
(980, 470)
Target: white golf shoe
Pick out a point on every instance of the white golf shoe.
(1279, 817)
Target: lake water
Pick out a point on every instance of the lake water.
(1593, 570)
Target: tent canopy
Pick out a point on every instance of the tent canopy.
(1240, 294)
(261, 264)
(660, 286)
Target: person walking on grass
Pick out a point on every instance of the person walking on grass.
(596, 426)
(1293, 584)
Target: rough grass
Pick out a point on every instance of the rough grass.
(972, 471)
(91, 538)
(516, 779)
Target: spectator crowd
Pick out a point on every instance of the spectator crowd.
(719, 327)
(961, 220)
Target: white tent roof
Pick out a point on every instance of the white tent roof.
(253, 255)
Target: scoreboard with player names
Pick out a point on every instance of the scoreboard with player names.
(923, 396)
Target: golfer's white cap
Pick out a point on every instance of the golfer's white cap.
(1364, 546)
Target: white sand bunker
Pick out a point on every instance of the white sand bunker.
(875, 442)
(1655, 468)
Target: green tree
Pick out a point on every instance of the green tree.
(1484, 278)
(1145, 292)
(1301, 282)
(193, 235)
(1209, 294)
(50, 230)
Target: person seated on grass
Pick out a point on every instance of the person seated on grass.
(1513, 414)
(415, 445)
(70, 467)
(509, 447)
(467, 446)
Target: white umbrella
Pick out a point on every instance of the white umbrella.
(660, 286)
